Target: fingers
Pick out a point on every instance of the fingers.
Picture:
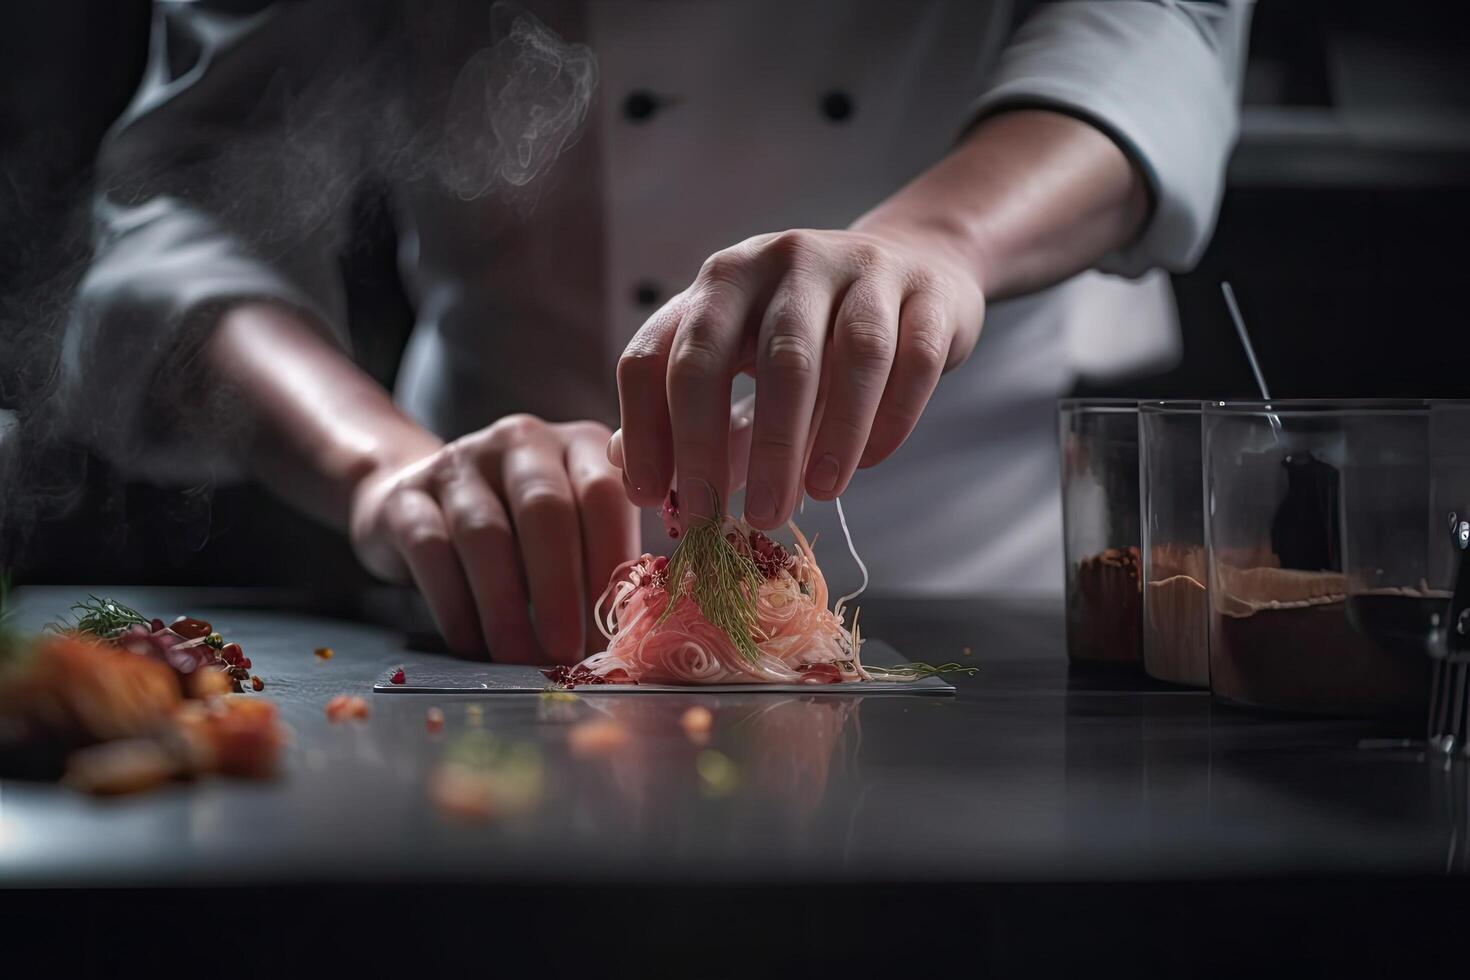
(741, 414)
(418, 529)
(742, 417)
(788, 363)
(833, 392)
(924, 341)
(702, 361)
(864, 339)
(543, 510)
(609, 522)
(645, 440)
(483, 537)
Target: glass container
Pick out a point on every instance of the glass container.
(1099, 444)
(1275, 529)
(1175, 591)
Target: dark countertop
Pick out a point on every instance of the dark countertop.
(1034, 773)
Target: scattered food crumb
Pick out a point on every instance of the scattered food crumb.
(346, 706)
(323, 653)
(718, 774)
(257, 683)
(593, 738)
(398, 677)
(434, 720)
(697, 722)
(965, 651)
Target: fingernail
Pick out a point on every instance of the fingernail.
(760, 503)
(696, 500)
(824, 474)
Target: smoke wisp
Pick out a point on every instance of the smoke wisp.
(399, 94)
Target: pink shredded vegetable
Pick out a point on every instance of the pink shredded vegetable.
(799, 639)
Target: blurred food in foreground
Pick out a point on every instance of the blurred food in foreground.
(115, 703)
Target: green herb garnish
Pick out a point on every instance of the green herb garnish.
(725, 586)
(102, 618)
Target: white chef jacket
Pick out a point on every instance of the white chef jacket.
(712, 120)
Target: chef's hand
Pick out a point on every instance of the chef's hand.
(523, 515)
(846, 332)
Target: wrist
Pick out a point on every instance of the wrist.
(942, 235)
(384, 456)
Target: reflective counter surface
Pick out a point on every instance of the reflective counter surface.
(1033, 772)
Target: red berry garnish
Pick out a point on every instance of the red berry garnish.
(191, 629)
(398, 677)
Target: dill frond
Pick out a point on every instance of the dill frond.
(724, 586)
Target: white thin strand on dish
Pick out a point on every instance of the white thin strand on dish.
(607, 623)
(842, 519)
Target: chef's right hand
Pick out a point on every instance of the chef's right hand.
(523, 515)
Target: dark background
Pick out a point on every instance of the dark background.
(1342, 231)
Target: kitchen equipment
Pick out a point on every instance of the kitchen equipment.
(1100, 521)
(1405, 535)
(1448, 731)
(445, 676)
(1280, 634)
(1175, 630)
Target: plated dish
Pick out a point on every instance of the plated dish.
(730, 606)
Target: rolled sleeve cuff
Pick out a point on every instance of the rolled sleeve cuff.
(1147, 78)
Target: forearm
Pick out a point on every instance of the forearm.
(1028, 199)
(320, 424)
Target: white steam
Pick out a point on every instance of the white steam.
(431, 98)
(514, 107)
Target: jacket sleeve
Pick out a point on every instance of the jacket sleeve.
(200, 202)
(1162, 80)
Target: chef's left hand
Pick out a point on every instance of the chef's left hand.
(846, 332)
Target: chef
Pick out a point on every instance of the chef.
(904, 228)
